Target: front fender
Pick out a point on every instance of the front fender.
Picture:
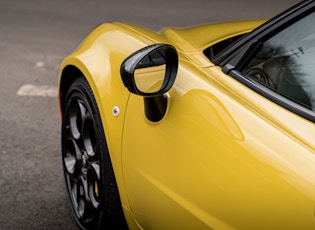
(98, 59)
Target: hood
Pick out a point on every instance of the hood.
(198, 38)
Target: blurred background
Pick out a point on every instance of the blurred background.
(35, 36)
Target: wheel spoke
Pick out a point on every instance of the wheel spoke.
(73, 193)
(77, 111)
(93, 179)
(72, 157)
(88, 135)
(82, 197)
(77, 193)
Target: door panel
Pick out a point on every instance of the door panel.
(212, 163)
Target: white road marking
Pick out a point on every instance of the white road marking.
(40, 64)
(37, 91)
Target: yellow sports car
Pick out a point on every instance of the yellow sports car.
(208, 127)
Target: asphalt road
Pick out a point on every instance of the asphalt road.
(35, 35)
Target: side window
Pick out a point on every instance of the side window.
(286, 63)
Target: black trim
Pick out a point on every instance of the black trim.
(267, 29)
(273, 96)
(155, 107)
(133, 62)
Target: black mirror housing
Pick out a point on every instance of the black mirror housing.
(150, 56)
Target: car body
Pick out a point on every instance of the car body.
(224, 141)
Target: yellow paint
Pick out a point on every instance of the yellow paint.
(223, 157)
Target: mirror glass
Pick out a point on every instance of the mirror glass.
(150, 72)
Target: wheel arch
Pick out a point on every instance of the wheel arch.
(98, 60)
(73, 68)
(104, 80)
(68, 76)
(112, 127)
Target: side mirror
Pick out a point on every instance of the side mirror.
(151, 72)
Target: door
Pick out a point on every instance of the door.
(211, 161)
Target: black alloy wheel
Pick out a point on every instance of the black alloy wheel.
(87, 167)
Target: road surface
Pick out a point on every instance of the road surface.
(35, 36)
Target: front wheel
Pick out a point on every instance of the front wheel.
(87, 167)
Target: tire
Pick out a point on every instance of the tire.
(88, 172)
